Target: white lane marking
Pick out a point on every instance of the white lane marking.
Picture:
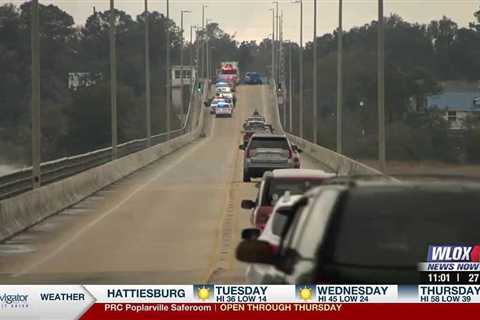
(108, 212)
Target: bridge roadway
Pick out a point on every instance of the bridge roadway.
(176, 221)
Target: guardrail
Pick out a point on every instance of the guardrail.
(334, 161)
(21, 181)
(24, 210)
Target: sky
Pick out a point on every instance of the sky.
(252, 20)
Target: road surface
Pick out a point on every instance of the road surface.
(176, 221)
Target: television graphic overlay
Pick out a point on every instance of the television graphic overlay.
(451, 264)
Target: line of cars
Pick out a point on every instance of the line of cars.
(276, 160)
(313, 227)
(265, 150)
(354, 230)
(224, 101)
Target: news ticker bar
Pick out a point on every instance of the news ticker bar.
(72, 301)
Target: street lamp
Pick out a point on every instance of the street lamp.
(148, 99)
(315, 75)
(340, 79)
(273, 44)
(113, 80)
(182, 12)
(300, 76)
(191, 43)
(381, 87)
(277, 37)
(290, 88)
(204, 6)
(207, 61)
(35, 100)
(168, 75)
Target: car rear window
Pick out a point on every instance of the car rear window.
(394, 228)
(269, 143)
(278, 186)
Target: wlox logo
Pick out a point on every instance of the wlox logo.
(454, 253)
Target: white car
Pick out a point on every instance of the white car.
(223, 109)
(227, 95)
(271, 234)
(214, 103)
(223, 90)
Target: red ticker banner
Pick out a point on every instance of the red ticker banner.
(283, 311)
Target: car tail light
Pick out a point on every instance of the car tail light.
(274, 248)
(289, 153)
(262, 216)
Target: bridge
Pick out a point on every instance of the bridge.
(173, 218)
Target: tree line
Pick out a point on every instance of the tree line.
(78, 120)
(418, 58)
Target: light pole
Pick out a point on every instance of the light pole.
(148, 96)
(168, 104)
(290, 88)
(340, 79)
(182, 12)
(191, 43)
(315, 76)
(273, 45)
(300, 76)
(204, 6)
(113, 80)
(207, 60)
(35, 102)
(381, 88)
(277, 37)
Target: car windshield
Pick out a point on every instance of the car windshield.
(396, 229)
(255, 126)
(269, 143)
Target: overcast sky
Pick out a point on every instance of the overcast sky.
(252, 20)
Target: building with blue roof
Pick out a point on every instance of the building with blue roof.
(458, 104)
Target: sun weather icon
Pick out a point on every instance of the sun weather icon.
(305, 292)
(204, 292)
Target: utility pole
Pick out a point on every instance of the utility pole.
(35, 102)
(340, 78)
(148, 120)
(168, 75)
(381, 88)
(315, 75)
(290, 89)
(182, 12)
(113, 80)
